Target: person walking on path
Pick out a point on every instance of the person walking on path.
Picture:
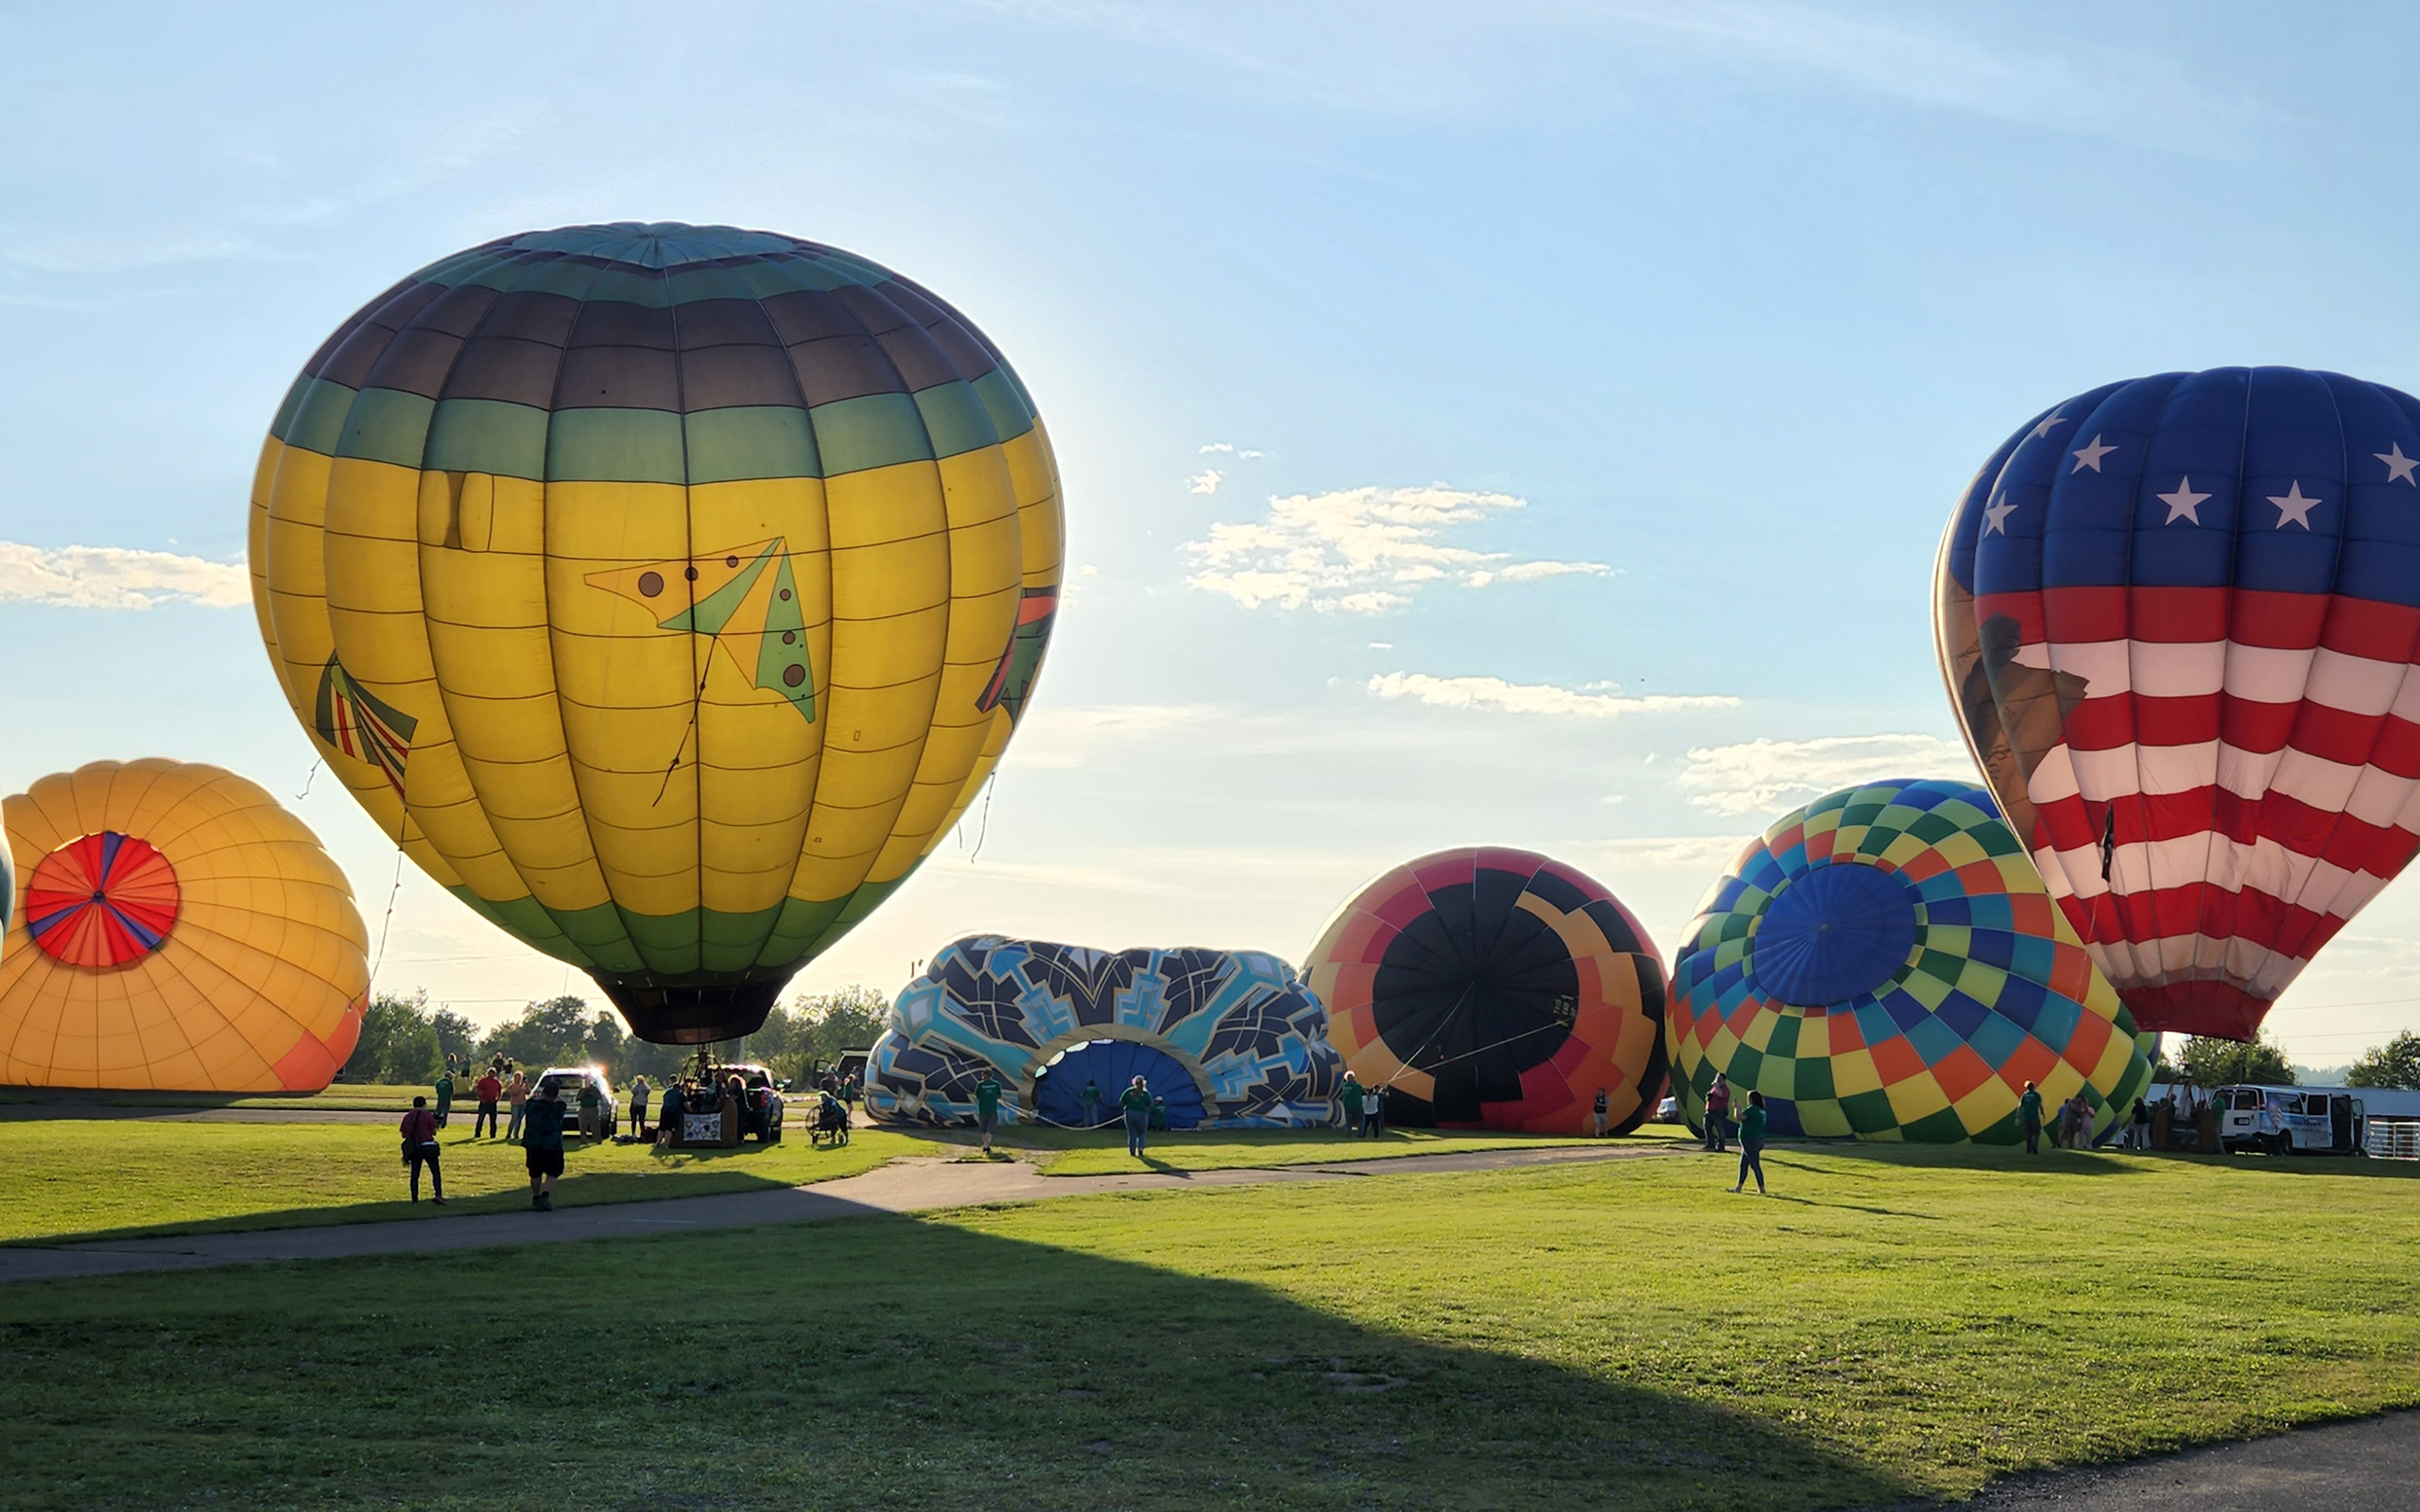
(2029, 1110)
(1135, 1102)
(1751, 1143)
(516, 1092)
(2138, 1132)
(639, 1093)
(1717, 1114)
(419, 1148)
(541, 1147)
(987, 1108)
(444, 1095)
(489, 1091)
(1603, 1111)
(1349, 1097)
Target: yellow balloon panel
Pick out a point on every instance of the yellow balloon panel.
(180, 931)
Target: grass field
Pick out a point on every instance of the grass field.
(124, 1176)
(1890, 1324)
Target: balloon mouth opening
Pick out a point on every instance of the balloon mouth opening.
(1837, 933)
(673, 1012)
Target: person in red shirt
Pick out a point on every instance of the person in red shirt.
(489, 1091)
(1717, 1114)
(419, 1148)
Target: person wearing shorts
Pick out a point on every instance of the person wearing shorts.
(987, 1108)
(541, 1147)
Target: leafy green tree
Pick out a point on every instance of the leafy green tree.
(455, 1035)
(2212, 1061)
(2396, 1063)
(399, 1044)
(553, 1031)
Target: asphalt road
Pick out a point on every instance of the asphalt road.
(2369, 1466)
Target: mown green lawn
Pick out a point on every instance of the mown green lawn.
(123, 1176)
(1069, 1152)
(1890, 1324)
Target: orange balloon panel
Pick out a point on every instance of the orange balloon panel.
(180, 932)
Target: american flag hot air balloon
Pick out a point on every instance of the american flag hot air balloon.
(2178, 617)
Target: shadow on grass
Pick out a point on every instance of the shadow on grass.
(724, 1171)
(886, 1363)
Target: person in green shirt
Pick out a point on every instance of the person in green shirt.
(1135, 1102)
(1751, 1142)
(987, 1108)
(2029, 1108)
(444, 1095)
(590, 1104)
(1090, 1097)
(1350, 1094)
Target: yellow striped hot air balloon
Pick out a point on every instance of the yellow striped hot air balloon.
(666, 592)
(179, 931)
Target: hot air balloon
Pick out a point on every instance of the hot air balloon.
(664, 591)
(1885, 962)
(1225, 1038)
(180, 932)
(1494, 989)
(2177, 617)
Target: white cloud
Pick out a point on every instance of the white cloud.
(1227, 447)
(117, 578)
(1761, 774)
(1062, 737)
(1534, 697)
(1358, 551)
(1206, 481)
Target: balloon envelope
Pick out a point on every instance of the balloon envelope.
(1230, 1040)
(1494, 989)
(180, 932)
(664, 591)
(2178, 618)
(1886, 963)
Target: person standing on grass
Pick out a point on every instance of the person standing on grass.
(1751, 1143)
(589, 1102)
(1373, 1111)
(987, 1108)
(1603, 1110)
(444, 1095)
(1090, 1097)
(541, 1147)
(516, 1092)
(1135, 1102)
(1350, 1096)
(419, 1148)
(1717, 1114)
(2138, 1133)
(2029, 1112)
(489, 1091)
(2080, 1126)
(638, 1107)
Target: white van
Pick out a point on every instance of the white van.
(2291, 1120)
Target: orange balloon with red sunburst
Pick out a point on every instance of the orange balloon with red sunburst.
(180, 931)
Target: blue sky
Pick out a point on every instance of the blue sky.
(1480, 424)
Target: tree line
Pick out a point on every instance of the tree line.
(2209, 1063)
(404, 1042)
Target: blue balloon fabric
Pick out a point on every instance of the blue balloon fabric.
(1111, 1066)
(1839, 931)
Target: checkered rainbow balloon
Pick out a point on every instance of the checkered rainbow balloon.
(1886, 963)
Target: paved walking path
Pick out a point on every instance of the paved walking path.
(2370, 1465)
(910, 1185)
